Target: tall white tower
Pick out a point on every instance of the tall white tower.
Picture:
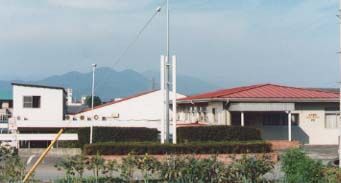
(69, 96)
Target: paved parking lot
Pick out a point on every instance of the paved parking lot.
(324, 153)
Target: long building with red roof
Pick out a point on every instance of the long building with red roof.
(310, 116)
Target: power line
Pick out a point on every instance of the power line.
(131, 44)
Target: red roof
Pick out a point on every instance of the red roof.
(118, 101)
(266, 91)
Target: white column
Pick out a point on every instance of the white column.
(92, 99)
(289, 126)
(174, 98)
(242, 120)
(339, 14)
(228, 118)
(339, 151)
(162, 88)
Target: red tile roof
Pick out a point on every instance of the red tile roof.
(118, 101)
(265, 91)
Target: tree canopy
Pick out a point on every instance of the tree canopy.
(97, 101)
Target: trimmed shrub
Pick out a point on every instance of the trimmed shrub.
(117, 134)
(217, 133)
(140, 148)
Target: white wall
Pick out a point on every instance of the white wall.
(51, 106)
(308, 131)
(315, 130)
(145, 107)
(220, 113)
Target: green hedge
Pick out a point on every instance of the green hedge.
(140, 148)
(217, 133)
(117, 134)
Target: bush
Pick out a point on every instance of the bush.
(192, 170)
(117, 134)
(180, 169)
(300, 168)
(217, 133)
(332, 174)
(249, 169)
(140, 148)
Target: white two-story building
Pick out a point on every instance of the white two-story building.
(38, 103)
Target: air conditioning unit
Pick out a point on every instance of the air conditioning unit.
(96, 117)
(115, 115)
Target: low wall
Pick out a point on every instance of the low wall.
(278, 145)
(52, 152)
(226, 158)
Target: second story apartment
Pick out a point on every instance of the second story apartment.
(38, 102)
(6, 106)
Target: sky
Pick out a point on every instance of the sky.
(226, 42)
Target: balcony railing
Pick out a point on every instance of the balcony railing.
(4, 118)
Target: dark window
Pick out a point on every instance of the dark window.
(214, 115)
(31, 101)
(279, 119)
(295, 119)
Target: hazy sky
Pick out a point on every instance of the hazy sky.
(227, 42)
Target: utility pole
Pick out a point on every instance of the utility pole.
(339, 16)
(162, 87)
(92, 99)
(174, 98)
(167, 83)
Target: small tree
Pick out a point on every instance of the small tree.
(12, 168)
(110, 167)
(127, 167)
(97, 101)
(79, 164)
(67, 165)
(148, 166)
(96, 164)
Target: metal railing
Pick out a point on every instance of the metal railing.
(4, 118)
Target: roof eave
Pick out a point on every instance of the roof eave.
(39, 86)
(258, 100)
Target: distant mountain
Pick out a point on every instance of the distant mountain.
(185, 84)
(113, 84)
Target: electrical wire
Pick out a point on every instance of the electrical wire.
(136, 38)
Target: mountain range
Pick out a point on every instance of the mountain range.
(114, 84)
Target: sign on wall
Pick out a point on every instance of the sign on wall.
(313, 117)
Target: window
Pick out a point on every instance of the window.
(31, 101)
(295, 119)
(214, 115)
(279, 119)
(332, 121)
